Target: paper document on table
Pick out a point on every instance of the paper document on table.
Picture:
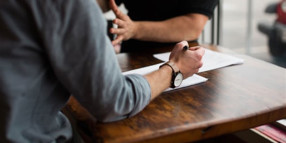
(195, 79)
(211, 60)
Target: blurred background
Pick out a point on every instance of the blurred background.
(236, 34)
(236, 28)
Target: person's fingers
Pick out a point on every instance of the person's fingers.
(113, 6)
(198, 65)
(115, 9)
(119, 22)
(182, 44)
(198, 53)
(117, 31)
(178, 48)
(117, 48)
(194, 48)
(117, 40)
(196, 71)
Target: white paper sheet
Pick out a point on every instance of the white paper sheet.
(211, 60)
(195, 79)
(282, 122)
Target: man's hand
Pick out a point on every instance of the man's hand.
(188, 61)
(126, 27)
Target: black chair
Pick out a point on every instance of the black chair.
(213, 36)
(276, 33)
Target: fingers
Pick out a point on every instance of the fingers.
(197, 52)
(117, 40)
(198, 65)
(119, 22)
(189, 61)
(120, 30)
(178, 48)
(182, 44)
(196, 70)
(194, 48)
(116, 10)
(117, 48)
(113, 6)
(200, 53)
(117, 31)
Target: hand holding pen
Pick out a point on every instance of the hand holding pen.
(187, 59)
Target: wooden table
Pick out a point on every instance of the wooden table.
(233, 99)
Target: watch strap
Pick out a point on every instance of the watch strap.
(175, 71)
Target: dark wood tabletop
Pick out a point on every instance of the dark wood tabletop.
(234, 98)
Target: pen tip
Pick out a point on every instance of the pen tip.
(186, 48)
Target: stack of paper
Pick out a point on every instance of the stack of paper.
(211, 60)
(195, 79)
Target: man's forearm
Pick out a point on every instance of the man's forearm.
(159, 80)
(187, 27)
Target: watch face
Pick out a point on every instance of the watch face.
(178, 79)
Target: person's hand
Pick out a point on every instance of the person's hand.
(126, 27)
(188, 61)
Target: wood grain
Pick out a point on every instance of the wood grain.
(233, 99)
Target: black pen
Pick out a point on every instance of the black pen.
(185, 48)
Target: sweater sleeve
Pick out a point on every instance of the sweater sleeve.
(84, 61)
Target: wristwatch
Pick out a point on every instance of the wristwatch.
(177, 76)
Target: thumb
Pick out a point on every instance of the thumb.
(194, 48)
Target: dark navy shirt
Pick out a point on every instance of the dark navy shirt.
(158, 10)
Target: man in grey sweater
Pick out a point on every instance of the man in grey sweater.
(50, 49)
